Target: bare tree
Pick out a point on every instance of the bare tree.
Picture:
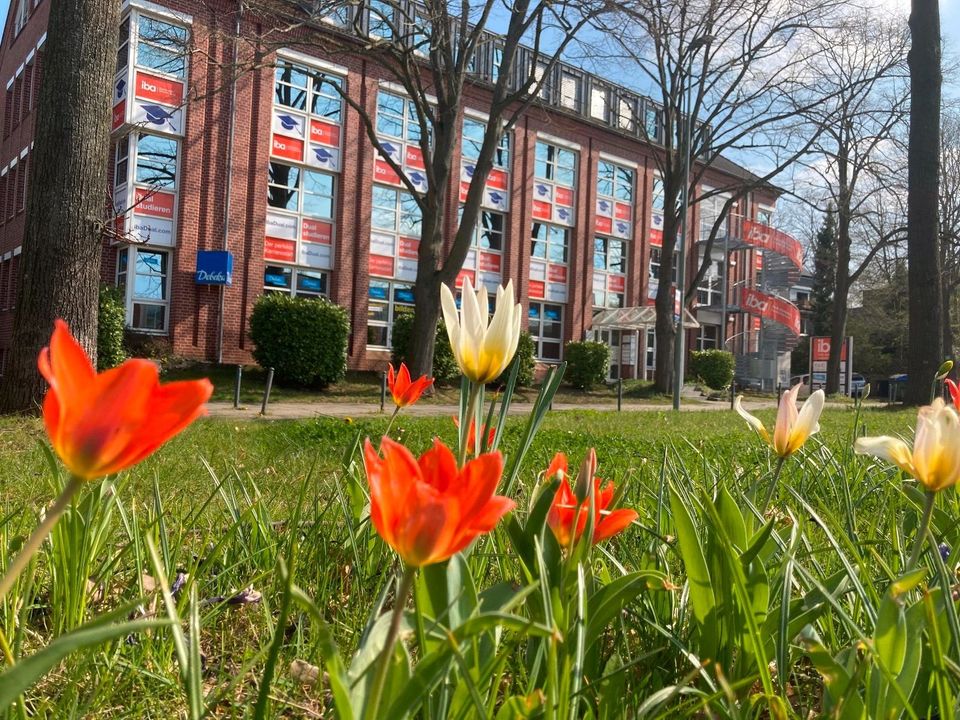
(949, 221)
(854, 166)
(434, 55)
(741, 69)
(923, 168)
(60, 261)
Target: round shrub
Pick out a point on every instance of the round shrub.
(714, 368)
(445, 368)
(303, 339)
(587, 363)
(111, 318)
(528, 362)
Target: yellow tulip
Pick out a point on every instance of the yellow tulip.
(935, 458)
(483, 347)
(793, 428)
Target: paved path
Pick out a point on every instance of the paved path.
(295, 410)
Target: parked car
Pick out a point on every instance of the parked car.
(857, 383)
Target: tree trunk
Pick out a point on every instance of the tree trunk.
(66, 207)
(925, 344)
(664, 304)
(947, 316)
(838, 329)
(425, 317)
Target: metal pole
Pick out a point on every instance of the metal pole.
(619, 393)
(266, 392)
(726, 288)
(733, 391)
(236, 387)
(383, 390)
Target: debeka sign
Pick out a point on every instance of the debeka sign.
(214, 267)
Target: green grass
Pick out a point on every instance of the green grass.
(218, 501)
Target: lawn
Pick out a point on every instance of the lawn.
(225, 502)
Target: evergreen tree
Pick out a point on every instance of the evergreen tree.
(824, 275)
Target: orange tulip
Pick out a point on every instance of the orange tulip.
(100, 424)
(404, 391)
(954, 392)
(428, 510)
(566, 519)
(472, 435)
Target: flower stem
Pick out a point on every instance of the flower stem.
(465, 422)
(34, 542)
(922, 530)
(773, 485)
(376, 691)
(396, 411)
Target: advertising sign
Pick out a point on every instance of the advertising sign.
(214, 267)
(820, 355)
(771, 307)
(763, 236)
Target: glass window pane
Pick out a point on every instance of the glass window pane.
(149, 317)
(277, 276)
(156, 161)
(550, 351)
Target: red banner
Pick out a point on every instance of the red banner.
(324, 133)
(764, 236)
(604, 225)
(158, 89)
(381, 265)
(820, 349)
(155, 204)
(318, 232)
(289, 148)
(280, 250)
(771, 307)
(537, 288)
(542, 210)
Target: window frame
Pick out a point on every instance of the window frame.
(126, 280)
(536, 333)
(391, 304)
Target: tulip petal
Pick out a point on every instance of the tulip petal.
(613, 523)
(558, 467)
(752, 420)
(438, 467)
(451, 320)
(886, 448)
(786, 419)
(807, 422)
(477, 482)
(482, 522)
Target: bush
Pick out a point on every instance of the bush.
(714, 368)
(526, 350)
(445, 368)
(111, 319)
(303, 340)
(587, 363)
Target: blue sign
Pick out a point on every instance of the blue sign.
(214, 267)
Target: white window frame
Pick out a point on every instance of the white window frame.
(295, 272)
(536, 333)
(391, 304)
(129, 285)
(606, 272)
(501, 159)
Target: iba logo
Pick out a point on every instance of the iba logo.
(753, 302)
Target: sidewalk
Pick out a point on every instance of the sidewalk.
(300, 410)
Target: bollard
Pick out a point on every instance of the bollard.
(619, 393)
(779, 392)
(236, 387)
(733, 392)
(383, 390)
(266, 392)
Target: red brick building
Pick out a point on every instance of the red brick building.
(276, 169)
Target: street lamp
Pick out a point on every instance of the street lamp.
(678, 349)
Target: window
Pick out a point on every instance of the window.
(301, 191)
(710, 209)
(614, 181)
(609, 272)
(473, 131)
(22, 173)
(385, 300)
(599, 102)
(570, 90)
(23, 14)
(17, 100)
(549, 242)
(12, 191)
(156, 164)
(27, 100)
(708, 337)
(8, 112)
(144, 278)
(397, 117)
(765, 216)
(655, 255)
(651, 351)
(123, 45)
(381, 22)
(396, 210)
(298, 282)
(489, 232)
(162, 46)
(627, 113)
(121, 162)
(546, 328)
(709, 289)
(555, 163)
(651, 121)
(484, 261)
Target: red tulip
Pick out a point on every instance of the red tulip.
(954, 392)
(428, 510)
(567, 520)
(472, 435)
(403, 390)
(100, 424)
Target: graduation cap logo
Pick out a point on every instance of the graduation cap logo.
(156, 115)
(121, 86)
(288, 123)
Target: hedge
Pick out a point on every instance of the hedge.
(111, 319)
(714, 368)
(587, 363)
(303, 339)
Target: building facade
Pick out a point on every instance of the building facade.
(274, 168)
